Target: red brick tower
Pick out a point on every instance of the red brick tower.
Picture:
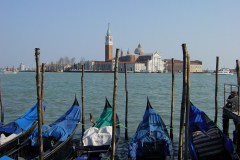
(108, 45)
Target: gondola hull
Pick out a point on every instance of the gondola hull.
(206, 140)
(57, 138)
(17, 141)
(16, 132)
(95, 152)
(151, 140)
(60, 150)
(64, 149)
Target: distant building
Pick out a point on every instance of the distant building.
(128, 57)
(139, 50)
(152, 61)
(140, 62)
(195, 66)
(104, 66)
(57, 67)
(89, 65)
(130, 66)
(22, 67)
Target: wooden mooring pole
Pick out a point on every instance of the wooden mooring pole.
(187, 108)
(114, 105)
(172, 103)
(126, 109)
(238, 80)
(238, 71)
(183, 104)
(216, 91)
(238, 124)
(40, 141)
(42, 92)
(83, 115)
(1, 105)
(225, 118)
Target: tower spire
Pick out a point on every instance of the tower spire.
(109, 33)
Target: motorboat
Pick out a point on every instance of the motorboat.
(224, 71)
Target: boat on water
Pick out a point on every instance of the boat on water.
(206, 140)
(17, 131)
(57, 138)
(96, 141)
(224, 71)
(151, 140)
(9, 71)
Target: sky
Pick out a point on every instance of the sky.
(77, 28)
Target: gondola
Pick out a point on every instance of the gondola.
(206, 140)
(57, 138)
(151, 140)
(16, 132)
(96, 141)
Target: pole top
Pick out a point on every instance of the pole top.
(37, 51)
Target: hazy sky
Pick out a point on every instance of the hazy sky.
(77, 28)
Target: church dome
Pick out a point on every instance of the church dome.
(139, 50)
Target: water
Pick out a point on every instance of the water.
(19, 94)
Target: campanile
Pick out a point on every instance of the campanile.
(108, 45)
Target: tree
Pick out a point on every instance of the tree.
(73, 60)
(66, 60)
(60, 61)
(82, 60)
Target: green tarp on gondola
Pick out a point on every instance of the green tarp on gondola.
(105, 118)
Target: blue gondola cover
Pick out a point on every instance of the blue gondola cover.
(62, 127)
(5, 158)
(151, 129)
(199, 121)
(23, 123)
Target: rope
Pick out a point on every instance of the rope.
(121, 125)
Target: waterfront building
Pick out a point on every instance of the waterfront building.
(140, 62)
(153, 62)
(139, 50)
(89, 65)
(22, 67)
(195, 66)
(57, 67)
(130, 66)
(128, 58)
(104, 66)
(139, 67)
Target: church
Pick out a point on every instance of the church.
(135, 62)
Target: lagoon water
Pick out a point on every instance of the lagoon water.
(19, 94)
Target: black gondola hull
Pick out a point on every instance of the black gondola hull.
(17, 141)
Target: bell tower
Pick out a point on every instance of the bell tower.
(108, 45)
